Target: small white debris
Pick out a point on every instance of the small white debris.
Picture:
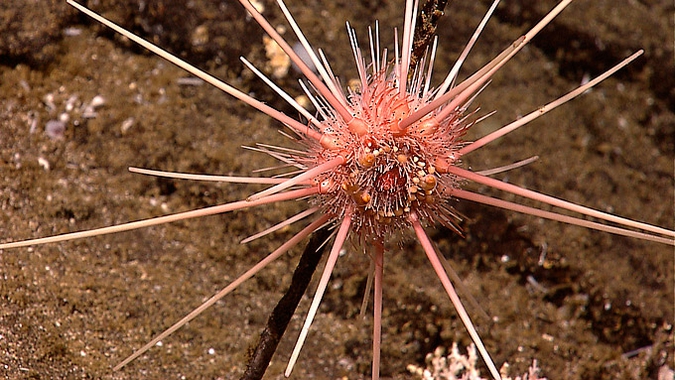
(17, 160)
(278, 62)
(55, 129)
(189, 81)
(49, 101)
(24, 85)
(211, 351)
(536, 285)
(305, 103)
(159, 344)
(258, 5)
(43, 163)
(354, 85)
(622, 123)
(97, 101)
(127, 124)
(346, 364)
(33, 120)
(542, 255)
(70, 103)
(200, 36)
(89, 110)
(72, 32)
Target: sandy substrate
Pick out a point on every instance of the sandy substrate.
(598, 307)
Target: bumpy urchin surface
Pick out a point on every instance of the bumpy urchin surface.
(388, 173)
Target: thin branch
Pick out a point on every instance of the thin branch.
(282, 313)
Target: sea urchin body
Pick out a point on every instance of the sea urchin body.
(387, 173)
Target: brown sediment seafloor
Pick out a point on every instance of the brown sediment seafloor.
(76, 309)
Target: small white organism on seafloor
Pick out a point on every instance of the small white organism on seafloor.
(456, 366)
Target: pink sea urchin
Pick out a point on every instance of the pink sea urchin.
(382, 158)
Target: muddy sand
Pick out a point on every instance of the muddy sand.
(598, 307)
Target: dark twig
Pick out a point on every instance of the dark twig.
(282, 313)
(425, 29)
